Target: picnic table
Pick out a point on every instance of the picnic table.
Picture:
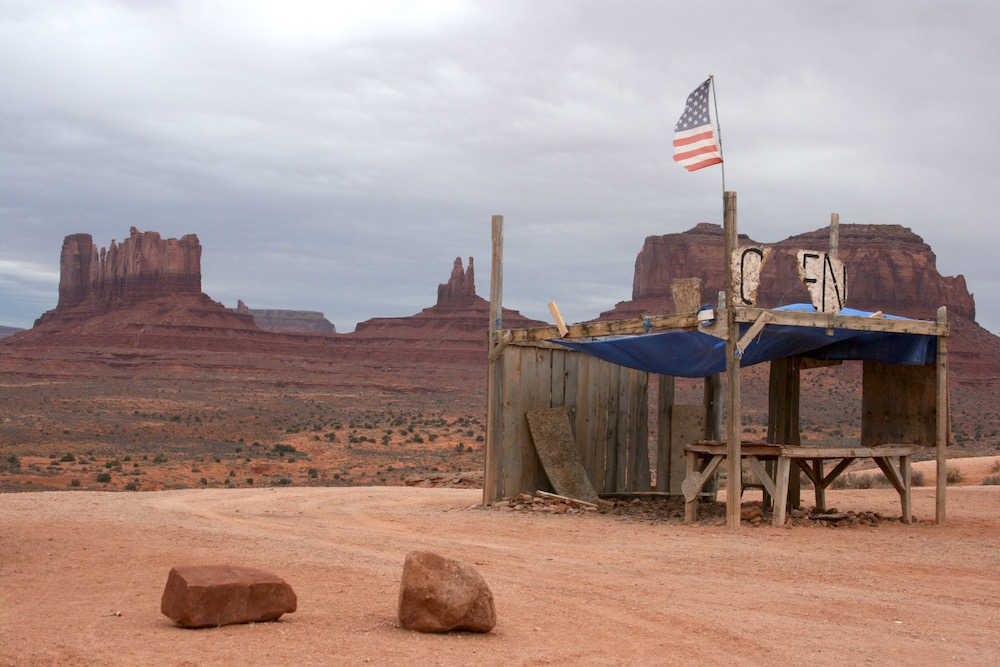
(704, 458)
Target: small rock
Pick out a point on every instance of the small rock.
(199, 596)
(440, 594)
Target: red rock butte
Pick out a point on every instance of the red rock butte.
(889, 269)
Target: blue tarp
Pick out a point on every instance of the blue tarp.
(696, 354)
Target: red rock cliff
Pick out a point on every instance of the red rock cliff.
(140, 267)
(889, 268)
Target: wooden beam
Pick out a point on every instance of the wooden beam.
(850, 322)
(557, 316)
(638, 325)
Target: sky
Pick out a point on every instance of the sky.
(338, 156)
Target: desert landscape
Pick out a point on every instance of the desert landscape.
(146, 426)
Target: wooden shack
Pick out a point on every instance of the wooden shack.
(603, 385)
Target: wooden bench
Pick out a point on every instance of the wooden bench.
(703, 458)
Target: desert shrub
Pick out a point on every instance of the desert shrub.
(195, 469)
(283, 449)
(917, 478)
(68, 458)
(250, 481)
(283, 481)
(313, 472)
(132, 486)
(232, 473)
(104, 477)
(203, 481)
(126, 458)
(996, 466)
(74, 482)
(992, 480)
(953, 475)
(159, 458)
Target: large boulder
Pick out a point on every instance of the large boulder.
(438, 594)
(198, 596)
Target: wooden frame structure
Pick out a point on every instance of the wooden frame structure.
(607, 405)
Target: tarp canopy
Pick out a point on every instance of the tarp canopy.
(695, 354)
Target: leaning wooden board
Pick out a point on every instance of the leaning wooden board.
(553, 438)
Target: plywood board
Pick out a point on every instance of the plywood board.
(553, 438)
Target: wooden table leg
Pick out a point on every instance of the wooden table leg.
(781, 490)
(820, 489)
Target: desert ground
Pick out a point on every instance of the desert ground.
(83, 572)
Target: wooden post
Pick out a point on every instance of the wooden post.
(734, 482)
(943, 417)
(493, 473)
(834, 234)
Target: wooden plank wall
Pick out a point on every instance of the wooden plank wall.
(898, 405)
(607, 406)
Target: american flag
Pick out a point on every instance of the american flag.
(695, 143)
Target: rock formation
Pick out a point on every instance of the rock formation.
(458, 311)
(141, 267)
(9, 331)
(889, 268)
(288, 321)
(461, 284)
(144, 281)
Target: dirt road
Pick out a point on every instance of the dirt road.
(82, 575)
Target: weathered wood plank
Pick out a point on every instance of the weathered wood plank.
(664, 402)
(638, 325)
(898, 404)
(643, 479)
(530, 400)
(513, 414)
(850, 322)
(618, 412)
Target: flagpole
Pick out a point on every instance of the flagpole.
(718, 129)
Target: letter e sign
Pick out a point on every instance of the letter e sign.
(825, 276)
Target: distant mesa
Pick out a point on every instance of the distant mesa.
(288, 321)
(889, 269)
(144, 281)
(9, 331)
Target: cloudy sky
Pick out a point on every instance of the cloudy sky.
(338, 156)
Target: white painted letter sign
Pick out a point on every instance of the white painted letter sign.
(825, 276)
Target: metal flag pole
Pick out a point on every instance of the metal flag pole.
(718, 130)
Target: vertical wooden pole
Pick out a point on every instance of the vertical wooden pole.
(494, 379)
(734, 481)
(834, 234)
(943, 417)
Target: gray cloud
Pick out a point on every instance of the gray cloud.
(338, 158)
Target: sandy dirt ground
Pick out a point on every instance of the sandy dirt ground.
(82, 574)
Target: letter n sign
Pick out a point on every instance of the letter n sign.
(825, 276)
(746, 264)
